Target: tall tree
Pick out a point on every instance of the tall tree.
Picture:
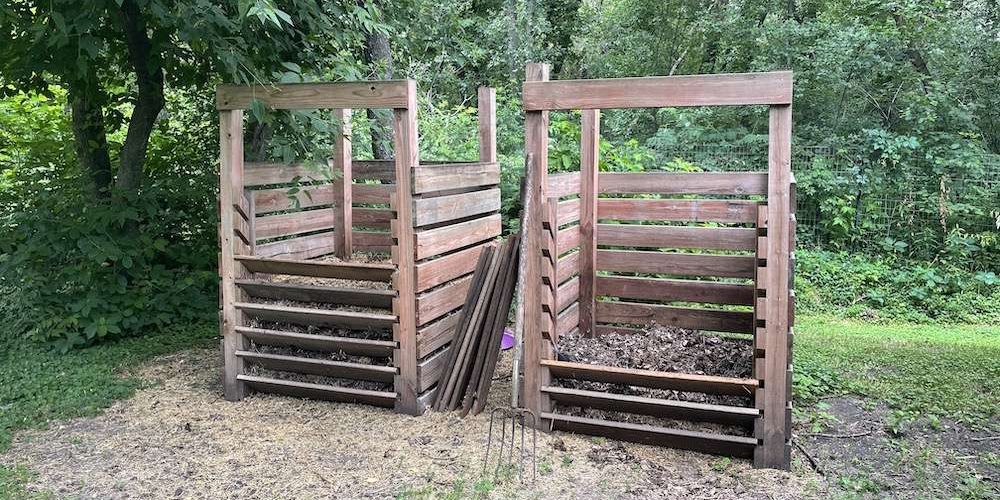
(378, 57)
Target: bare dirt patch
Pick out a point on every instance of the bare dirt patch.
(180, 439)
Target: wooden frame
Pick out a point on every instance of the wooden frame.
(410, 210)
(755, 244)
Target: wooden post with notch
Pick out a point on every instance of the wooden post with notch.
(231, 193)
(487, 125)
(589, 159)
(342, 179)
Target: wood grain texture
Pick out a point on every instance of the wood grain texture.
(671, 290)
(292, 198)
(263, 173)
(371, 194)
(429, 370)
(305, 221)
(427, 211)
(343, 245)
(320, 343)
(660, 91)
(321, 367)
(567, 267)
(563, 184)
(302, 247)
(378, 218)
(724, 211)
(358, 95)
(681, 317)
(374, 170)
(487, 124)
(230, 269)
(443, 300)
(430, 178)
(568, 212)
(671, 381)
(317, 293)
(662, 408)
(441, 240)
(317, 317)
(642, 236)
(677, 264)
(715, 183)
(590, 152)
(322, 392)
(434, 272)
(433, 336)
(318, 269)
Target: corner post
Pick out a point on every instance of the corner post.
(589, 159)
(230, 188)
(342, 182)
(487, 125)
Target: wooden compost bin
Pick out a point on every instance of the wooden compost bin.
(428, 220)
(582, 229)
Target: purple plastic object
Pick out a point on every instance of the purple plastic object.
(507, 341)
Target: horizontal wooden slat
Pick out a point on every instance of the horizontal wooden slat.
(375, 170)
(725, 211)
(262, 174)
(371, 217)
(319, 269)
(662, 408)
(319, 391)
(566, 294)
(440, 270)
(564, 184)
(718, 183)
(717, 238)
(678, 264)
(434, 335)
(320, 343)
(706, 442)
(427, 211)
(321, 367)
(371, 239)
(371, 194)
(317, 293)
(274, 226)
(302, 247)
(430, 178)
(682, 317)
(568, 266)
(317, 317)
(568, 319)
(684, 382)
(429, 370)
(568, 211)
(273, 200)
(327, 95)
(567, 239)
(440, 301)
(669, 290)
(736, 89)
(437, 241)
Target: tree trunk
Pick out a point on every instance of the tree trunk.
(149, 101)
(86, 103)
(378, 57)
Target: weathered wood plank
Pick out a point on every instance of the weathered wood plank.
(443, 300)
(321, 367)
(429, 370)
(430, 178)
(432, 336)
(590, 152)
(285, 198)
(682, 317)
(263, 173)
(437, 241)
(725, 211)
(343, 245)
(318, 269)
(377, 218)
(302, 247)
(565, 322)
(327, 95)
(427, 211)
(642, 236)
(317, 317)
(568, 211)
(670, 290)
(374, 170)
(662, 408)
(728, 183)
(567, 267)
(432, 273)
(564, 184)
(487, 104)
(319, 391)
(275, 226)
(678, 264)
(566, 294)
(317, 293)
(684, 382)
(230, 269)
(371, 194)
(320, 343)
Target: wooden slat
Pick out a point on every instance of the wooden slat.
(565, 322)
(276, 199)
(566, 294)
(319, 269)
(427, 211)
(317, 317)
(263, 174)
(429, 370)
(343, 195)
(434, 335)
(230, 187)
(567, 267)
(274, 226)
(590, 152)
(430, 178)
(320, 343)
(440, 301)
(662, 408)
(433, 242)
(678, 264)
(487, 110)
(321, 367)
(564, 184)
(374, 170)
(682, 317)
(371, 194)
(684, 382)
(372, 239)
(327, 95)
(302, 247)
(716, 238)
(660, 91)
(442, 269)
(567, 239)
(729, 183)
(725, 211)
(319, 391)
(371, 217)
(706, 442)
(317, 293)
(669, 290)
(568, 211)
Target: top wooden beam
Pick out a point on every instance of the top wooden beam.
(392, 94)
(737, 89)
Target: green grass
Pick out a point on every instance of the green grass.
(944, 370)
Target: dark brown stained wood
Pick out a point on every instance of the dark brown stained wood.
(320, 343)
(660, 91)
(565, 322)
(430, 178)
(567, 239)
(371, 194)
(719, 444)
(682, 317)
(317, 293)
(564, 184)
(263, 174)
(372, 239)
(427, 211)
(716, 238)
(569, 211)
(429, 370)
(684, 382)
(321, 367)
(566, 294)
(319, 269)
(590, 152)
(302, 247)
(372, 217)
(433, 242)
(277, 199)
(327, 95)
(434, 335)
(736, 183)
(440, 301)
(725, 211)
(663, 408)
(374, 170)
(432, 273)
(678, 264)
(319, 391)
(567, 267)
(317, 317)
(669, 290)
(274, 226)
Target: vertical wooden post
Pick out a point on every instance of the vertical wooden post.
(536, 138)
(342, 179)
(230, 187)
(774, 450)
(487, 125)
(404, 253)
(589, 158)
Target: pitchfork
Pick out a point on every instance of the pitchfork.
(516, 416)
